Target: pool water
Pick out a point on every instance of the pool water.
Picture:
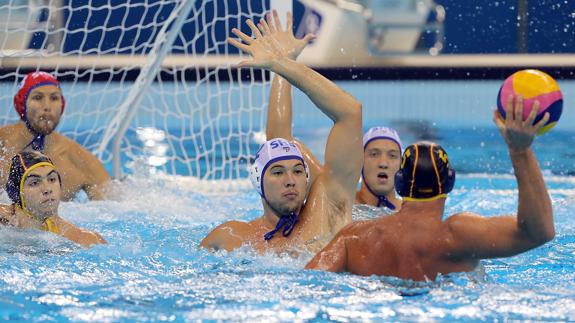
(152, 270)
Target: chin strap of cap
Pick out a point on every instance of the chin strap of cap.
(287, 222)
(39, 141)
(48, 223)
(381, 199)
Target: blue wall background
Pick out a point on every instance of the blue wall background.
(470, 27)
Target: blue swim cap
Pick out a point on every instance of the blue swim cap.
(270, 152)
(376, 133)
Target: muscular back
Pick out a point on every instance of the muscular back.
(79, 169)
(408, 247)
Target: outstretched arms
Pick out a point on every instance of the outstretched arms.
(343, 157)
(279, 119)
(479, 237)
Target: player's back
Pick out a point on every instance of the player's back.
(405, 245)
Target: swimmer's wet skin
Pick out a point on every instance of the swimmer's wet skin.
(34, 186)
(306, 216)
(40, 104)
(416, 244)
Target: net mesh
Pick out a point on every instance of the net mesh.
(198, 117)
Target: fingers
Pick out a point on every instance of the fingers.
(244, 64)
(497, 119)
(289, 25)
(518, 109)
(264, 27)
(255, 31)
(246, 39)
(533, 114)
(239, 45)
(542, 122)
(509, 109)
(271, 23)
(278, 24)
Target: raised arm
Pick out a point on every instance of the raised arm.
(279, 119)
(479, 237)
(343, 156)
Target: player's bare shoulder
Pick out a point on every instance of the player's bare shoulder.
(8, 136)
(228, 236)
(75, 152)
(461, 218)
(6, 212)
(459, 225)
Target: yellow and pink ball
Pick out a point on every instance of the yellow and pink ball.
(533, 85)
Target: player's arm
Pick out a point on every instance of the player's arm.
(96, 178)
(279, 120)
(83, 237)
(533, 225)
(343, 156)
(333, 257)
(225, 236)
(6, 212)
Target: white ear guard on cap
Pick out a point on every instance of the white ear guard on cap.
(270, 152)
(376, 133)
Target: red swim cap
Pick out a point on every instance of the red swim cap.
(31, 81)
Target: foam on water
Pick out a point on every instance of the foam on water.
(152, 270)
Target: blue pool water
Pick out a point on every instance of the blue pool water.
(151, 270)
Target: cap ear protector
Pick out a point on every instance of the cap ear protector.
(425, 172)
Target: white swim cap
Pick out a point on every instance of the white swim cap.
(270, 152)
(376, 133)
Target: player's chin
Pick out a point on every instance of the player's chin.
(45, 129)
(291, 206)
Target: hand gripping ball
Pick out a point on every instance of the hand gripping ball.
(533, 85)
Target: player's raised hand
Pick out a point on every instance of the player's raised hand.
(264, 49)
(284, 37)
(518, 133)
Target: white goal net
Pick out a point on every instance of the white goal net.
(149, 85)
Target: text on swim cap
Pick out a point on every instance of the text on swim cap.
(282, 144)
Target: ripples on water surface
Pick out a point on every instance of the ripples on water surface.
(152, 271)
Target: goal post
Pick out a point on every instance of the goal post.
(150, 85)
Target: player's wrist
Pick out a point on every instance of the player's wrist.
(519, 151)
(280, 65)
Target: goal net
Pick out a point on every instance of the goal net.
(150, 85)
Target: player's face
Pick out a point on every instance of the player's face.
(41, 192)
(44, 108)
(382, 159)
(285, 185)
